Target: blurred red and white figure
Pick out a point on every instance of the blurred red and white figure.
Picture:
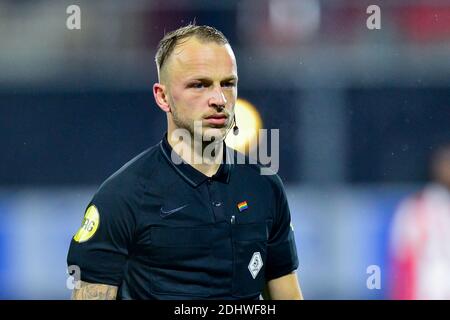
(420, 238)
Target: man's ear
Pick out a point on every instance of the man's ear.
(161, 98)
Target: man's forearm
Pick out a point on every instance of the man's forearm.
(284, 288)
(94, 291)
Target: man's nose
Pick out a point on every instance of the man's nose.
(217, 98)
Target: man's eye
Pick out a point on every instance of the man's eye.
(229, 84)
(197, 85)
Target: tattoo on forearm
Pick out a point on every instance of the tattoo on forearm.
(92, 291)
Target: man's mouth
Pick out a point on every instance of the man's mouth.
(217, 119)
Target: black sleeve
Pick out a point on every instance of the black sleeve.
(102, 255)
(282, 252)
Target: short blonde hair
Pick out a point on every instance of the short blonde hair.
(171, 39)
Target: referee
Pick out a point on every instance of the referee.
(166, 226)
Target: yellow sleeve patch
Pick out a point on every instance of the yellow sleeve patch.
(89, 226)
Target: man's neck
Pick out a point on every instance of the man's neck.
(198, 154)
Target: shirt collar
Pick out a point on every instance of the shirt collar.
(189, 173)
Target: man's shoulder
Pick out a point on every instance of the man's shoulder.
(132, 174)
(250, 168)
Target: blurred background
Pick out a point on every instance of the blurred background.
(359, 112)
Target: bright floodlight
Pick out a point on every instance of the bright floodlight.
(249, 122)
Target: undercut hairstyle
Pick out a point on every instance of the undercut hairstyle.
(175, 37)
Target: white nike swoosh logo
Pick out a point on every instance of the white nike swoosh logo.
(165, 213)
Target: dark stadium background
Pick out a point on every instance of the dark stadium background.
(359, 112)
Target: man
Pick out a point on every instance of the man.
(420, 238)
(167, 226)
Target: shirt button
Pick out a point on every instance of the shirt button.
(217, 203)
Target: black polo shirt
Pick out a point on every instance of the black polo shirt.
(161, 230)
